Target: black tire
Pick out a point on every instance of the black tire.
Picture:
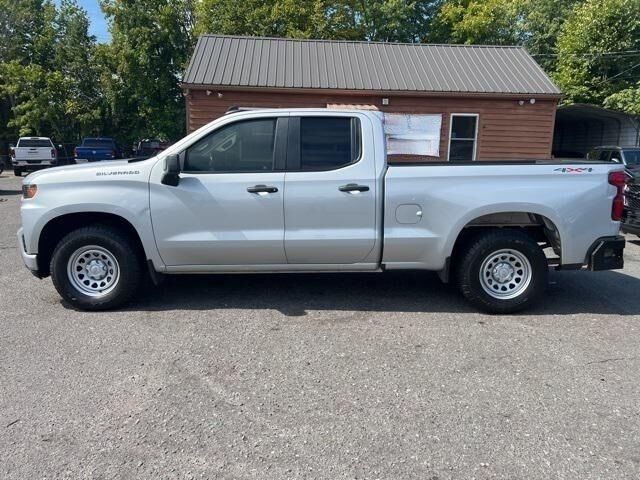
(17, 172)
(117, 244)
(506, 248)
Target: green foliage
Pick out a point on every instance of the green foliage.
(590, 67)
(46, 76)
(491, 22)
(27, 31)
(151, 45)
(627, 100)
(542, 21)
(535, 24)
(381, 20)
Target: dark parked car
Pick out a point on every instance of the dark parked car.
(95, 149)
(630, 158)
(149, 148)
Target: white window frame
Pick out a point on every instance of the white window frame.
(475, 138)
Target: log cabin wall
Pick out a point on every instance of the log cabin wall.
(506, 129)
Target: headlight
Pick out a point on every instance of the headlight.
(29, 190)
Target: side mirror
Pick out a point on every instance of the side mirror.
(171, 171)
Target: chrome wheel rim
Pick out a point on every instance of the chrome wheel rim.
(505, 274)
(93, 270)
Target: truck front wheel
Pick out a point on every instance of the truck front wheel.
(502, 271)
(96, 268)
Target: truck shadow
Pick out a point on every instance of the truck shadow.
(6, 193)
(295, 294)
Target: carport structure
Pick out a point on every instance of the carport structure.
(581, 127)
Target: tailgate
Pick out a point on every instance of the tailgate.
(94, 154)
(33, 153)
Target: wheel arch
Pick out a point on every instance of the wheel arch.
(57, 227)
(539, 223)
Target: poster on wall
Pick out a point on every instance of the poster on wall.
(412, 134)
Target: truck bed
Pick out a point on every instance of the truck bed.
(574, 197)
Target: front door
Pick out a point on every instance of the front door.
(228, 206)
(330, 192)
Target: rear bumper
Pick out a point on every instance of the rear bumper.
(607, 253)
(30, 261)
(33, 163)
(632, 229)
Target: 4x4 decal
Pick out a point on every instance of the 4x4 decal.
(574, 170)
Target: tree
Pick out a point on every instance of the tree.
(27, 31)
(542, 24)
(596, 50)
(490, 22)
(381, 20)
(37, 97)
(151, 45)
(48, 85)
(627, 100)
(74, 59)
(534, 24)
(27, 37)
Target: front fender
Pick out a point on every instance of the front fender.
(35, 217)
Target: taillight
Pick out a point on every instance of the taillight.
(113, 154)
(618, 180)
(75, 153)
(53, 153)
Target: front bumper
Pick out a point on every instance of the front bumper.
(30, 261)
(607, 253)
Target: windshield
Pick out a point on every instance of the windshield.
(33, 143)
(97, 143)
(632, 157)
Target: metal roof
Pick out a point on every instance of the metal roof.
(234, 61)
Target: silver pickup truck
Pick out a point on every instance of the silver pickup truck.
(310, 191)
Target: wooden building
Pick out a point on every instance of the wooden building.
(493, 102)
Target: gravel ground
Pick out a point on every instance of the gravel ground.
(370, 376)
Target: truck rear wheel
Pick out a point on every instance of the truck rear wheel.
(502, 271)
(96, 268)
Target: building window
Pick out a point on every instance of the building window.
(463, 137)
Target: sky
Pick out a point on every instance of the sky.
(98, 22)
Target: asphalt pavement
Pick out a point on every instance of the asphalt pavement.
(376, 376)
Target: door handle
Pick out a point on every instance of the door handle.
(353, 187)
(262, 189)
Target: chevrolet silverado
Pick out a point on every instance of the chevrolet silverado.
(310, 190)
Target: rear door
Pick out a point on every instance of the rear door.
(330, 192)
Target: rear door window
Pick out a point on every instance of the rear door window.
(616, 156)
(328, 143)
(604, 155)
